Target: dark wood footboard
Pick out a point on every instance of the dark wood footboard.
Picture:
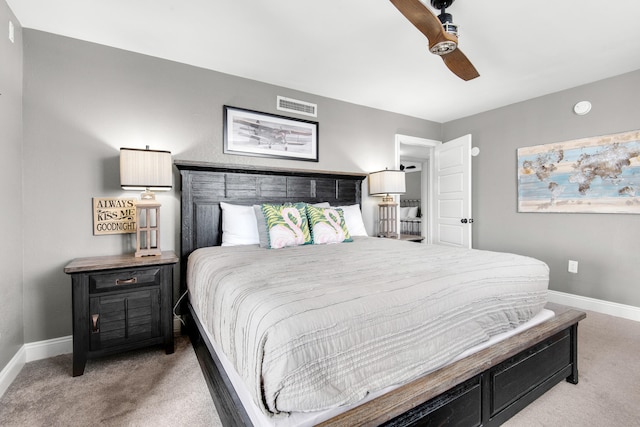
(491, 398)
(486, 388)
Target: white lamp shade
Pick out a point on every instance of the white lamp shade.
(386, 182)
(145, 169)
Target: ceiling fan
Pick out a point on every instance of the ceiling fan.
(403, 167)
(441, 32)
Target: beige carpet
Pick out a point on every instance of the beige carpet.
(149, 388)
(608, 392)
(139, 388)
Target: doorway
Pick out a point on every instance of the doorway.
(415, 156)
(445, 187)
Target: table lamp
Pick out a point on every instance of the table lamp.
(385, 183)
(149, 171)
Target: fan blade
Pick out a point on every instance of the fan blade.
(429, 25)
(423, 19)
(457, 62)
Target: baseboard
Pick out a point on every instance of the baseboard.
(63, 345)
(31, 352)
(605, 307)
(11, 371)
(49, 348)
(38, 350)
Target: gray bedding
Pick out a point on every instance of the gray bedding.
(318, 326)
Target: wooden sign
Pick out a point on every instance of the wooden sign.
(114, 216)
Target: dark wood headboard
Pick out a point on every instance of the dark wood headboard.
(205, 185)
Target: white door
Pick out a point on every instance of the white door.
(452, 193)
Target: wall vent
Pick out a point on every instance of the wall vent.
(295, 106)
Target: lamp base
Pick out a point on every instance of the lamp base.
(147, 195)
(387, 220)
(148, 228)
(386, 200)
(148, 252)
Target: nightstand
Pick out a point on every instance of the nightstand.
(120, 303)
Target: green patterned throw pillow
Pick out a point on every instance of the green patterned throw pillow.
(327, 225)
(286, 225)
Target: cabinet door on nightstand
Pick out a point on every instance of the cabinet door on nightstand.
(124, 317)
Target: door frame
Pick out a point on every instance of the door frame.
(427, 202)
(453, 201)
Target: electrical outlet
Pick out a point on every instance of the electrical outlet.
(177, 326)
(573, 266)
(11, 32)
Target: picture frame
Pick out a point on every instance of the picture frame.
(599, 174)
(253, 133)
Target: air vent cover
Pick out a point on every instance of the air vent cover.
(298, 107)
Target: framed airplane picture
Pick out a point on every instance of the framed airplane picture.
(252, 133)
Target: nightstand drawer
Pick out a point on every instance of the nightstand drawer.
(124, 279)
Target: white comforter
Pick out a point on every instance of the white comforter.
(315, 327)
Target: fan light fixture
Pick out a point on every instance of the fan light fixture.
(443, 48)
(446, 19)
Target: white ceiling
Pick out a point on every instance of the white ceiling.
(365, 51)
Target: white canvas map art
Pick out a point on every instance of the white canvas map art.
(590, 175)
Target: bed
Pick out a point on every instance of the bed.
(483, 388)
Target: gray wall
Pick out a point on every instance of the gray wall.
(413, 186)
(83, 101)
(607, 246)
(11, 258)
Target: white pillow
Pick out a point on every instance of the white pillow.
(238, 225)
(413, 212)
(353, 220)
(404, 212)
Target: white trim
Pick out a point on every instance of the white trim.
(48, 348)
(427, 205)
(31, 352)
(601, 306)
(38, 350)
(11, 371)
